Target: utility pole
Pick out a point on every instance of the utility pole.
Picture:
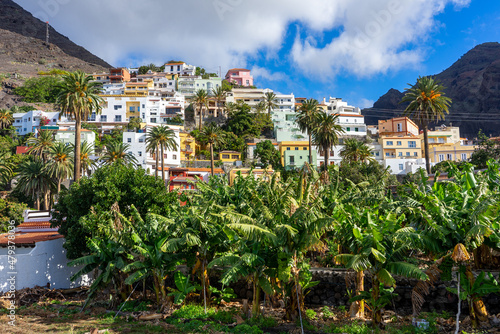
(47, 34)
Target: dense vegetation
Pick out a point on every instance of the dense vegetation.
(263, 230)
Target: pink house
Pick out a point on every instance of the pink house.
(240, 76)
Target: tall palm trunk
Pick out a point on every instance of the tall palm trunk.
(201, 119)
(157, 161)
(310, 148)
(426, 150)
(37, 201)
(59, 180)
(78, 125)
(327, 155)
(212, 158)
(162, 164)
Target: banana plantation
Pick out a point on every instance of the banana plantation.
(263, 231)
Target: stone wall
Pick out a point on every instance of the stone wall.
(332, 291)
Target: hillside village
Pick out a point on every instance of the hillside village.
(169, 98)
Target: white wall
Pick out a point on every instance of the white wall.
(45, 263)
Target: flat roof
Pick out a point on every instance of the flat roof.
(29, 238)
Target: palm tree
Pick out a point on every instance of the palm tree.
(40, 145)
(219, 95)
(201, 99)
(326, 133)
(6, 168)
(427, 104)
(34, 181)
(153, 146)
(60, 165)
(78, 98)
(355, 150)
(6, 119)
(306, 119)
(86, 162)
(214, 136)
(116, 152)
(163, 137)
(270, 102)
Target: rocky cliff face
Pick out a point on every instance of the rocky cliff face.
(15, 19)
(472, 83)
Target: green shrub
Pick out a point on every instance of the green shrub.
(246, 329)
(311, 314)
(43, 89)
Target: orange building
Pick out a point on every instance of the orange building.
(398, 126)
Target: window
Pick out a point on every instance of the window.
(225, 156)
(153, 120)
(356, 129)
(29, 119)
(54, 120)
(118, 107)
(441, 140)
(387, 154)
(300, 157)
(332, 154)
(441, 157)
(464, 156)
(407, 154)
(401, 167)
(389, 143)
(292, 160)
(296, 149)
(129, 140)
(235, 156)
(143, 106)
(104, 118)
(398, 143)
(140, 153)
(400, 154)
(412, 144)
(305, 149)
(348, 129)
(415, 154)
(132, 109)
(174, 157)
(118, 118)
(400, 127)
(288, 148)
(165, 156)
(141, 140)
(449, 156)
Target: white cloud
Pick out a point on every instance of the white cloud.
(374, 34)
(263, 73)
(365, 103)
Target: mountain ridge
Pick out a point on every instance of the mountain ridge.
(473, 84)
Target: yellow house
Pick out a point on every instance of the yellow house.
(401, 147)
(229, 156)
(139, 88)
(188, 146)
(397, 126)
(133, 109)
(258, 173)
(445, 144)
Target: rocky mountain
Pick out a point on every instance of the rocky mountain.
(473, 84)
(23, 52)
(15, 19)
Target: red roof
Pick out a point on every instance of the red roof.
(29, 239)
(183, 179)
(239, 69)
(34, 225)
(22, 149)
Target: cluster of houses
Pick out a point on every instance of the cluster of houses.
(161, 98)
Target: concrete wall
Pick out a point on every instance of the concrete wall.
(45, 263)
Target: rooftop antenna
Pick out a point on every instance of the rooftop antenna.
(47, 34)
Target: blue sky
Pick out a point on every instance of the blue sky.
(354, 49)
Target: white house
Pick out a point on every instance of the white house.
(137, 146)
(350, 117)
(180, 68)
(28, 122)
(38, 257)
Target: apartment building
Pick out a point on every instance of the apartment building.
(445, 144)
(240, 77)
(147, 160)
(30, 122)
(180, 68)
(189, 85)
(350, 118)
(294, 154)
